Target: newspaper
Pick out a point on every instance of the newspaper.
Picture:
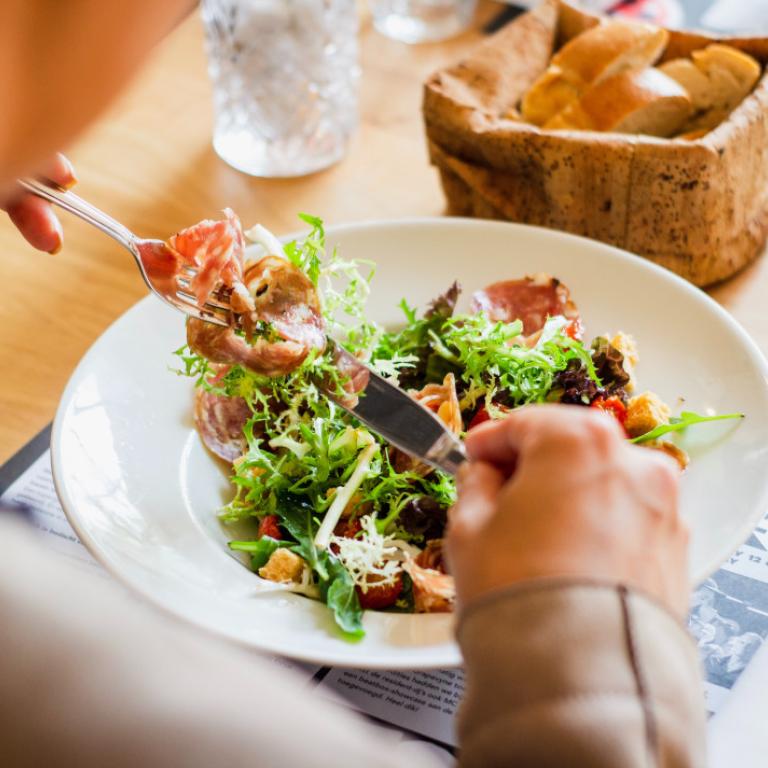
(729, 616)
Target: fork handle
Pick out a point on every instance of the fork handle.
(71, 202)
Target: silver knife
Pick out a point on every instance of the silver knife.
(394, 415)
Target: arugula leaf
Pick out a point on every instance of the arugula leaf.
(260, 550)
(295, 513)
(679, 423)
(338, 592)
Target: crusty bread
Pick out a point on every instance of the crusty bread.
(685, 72)
(550, 94)
(645, 101)
(718, 78)
(731, 73)
(594, 55)
(699, 208)
(610, 48)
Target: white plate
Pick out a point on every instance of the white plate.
(142, 493)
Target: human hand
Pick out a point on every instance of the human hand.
(557, 491)
(33, 216)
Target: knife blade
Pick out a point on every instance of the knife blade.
(393, 414)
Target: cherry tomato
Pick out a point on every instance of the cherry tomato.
(268, 527)
(481, 415)
(346, 528)
(378, 596)
(574, 329)
(612, 405)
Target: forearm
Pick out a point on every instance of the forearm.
(61, 63)
(561, 673)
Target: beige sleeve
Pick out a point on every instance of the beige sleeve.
(90, 677)
(570, 674)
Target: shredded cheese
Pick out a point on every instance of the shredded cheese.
(372, 554)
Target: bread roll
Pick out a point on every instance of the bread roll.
(685, 72)
(731, 74)
(718, 78)
(646, 102)
(598, 53)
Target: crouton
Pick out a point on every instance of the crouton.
(644, 413)
(677, 453)
(283, 566)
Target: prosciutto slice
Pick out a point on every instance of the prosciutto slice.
(531, 300)
(216, 250)
(433, 591)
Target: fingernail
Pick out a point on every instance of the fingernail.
(59, 236)
(70, 171)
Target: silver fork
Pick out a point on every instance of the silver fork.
(157, 264)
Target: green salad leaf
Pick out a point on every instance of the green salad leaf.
(260, 550)
(338, 592)
(679, 423)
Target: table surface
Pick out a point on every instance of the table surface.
(149, 163)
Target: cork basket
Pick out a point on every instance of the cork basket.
(699, 208)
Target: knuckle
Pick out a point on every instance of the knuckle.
(602, 434)
(664, 470)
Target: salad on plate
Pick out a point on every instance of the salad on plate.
(337, 514)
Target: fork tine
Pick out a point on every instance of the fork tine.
(209, 312)
(215, 298)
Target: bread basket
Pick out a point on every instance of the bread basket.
(699, 208)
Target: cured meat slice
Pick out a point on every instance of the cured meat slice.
(220, 421)
(287, 299)
(223, 345)
(432, 556)
(531, 300)
(433, 591)
(442, 400)
(215, 249)
(283, 297)
(353, 374)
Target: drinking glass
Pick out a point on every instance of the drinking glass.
(420, 21)
(285, 76)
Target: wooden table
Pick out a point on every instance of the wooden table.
(149, 163)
